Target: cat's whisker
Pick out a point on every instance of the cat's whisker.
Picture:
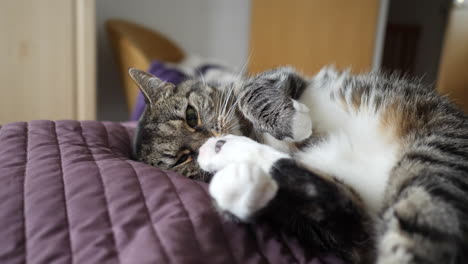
(231, 111)
(230, 124)
(228, 97)
(244, 66)
(222, 114)
(235, 102)
(227, 104)
(219, 103)
(232, 127)
(221, 100)
(219, 116)
(202, 78)
(233, 106)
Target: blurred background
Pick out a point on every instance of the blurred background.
(67, 59)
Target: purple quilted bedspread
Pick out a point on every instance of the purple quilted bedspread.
(70, 194)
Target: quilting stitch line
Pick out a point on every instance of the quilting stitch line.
(218, 217)
(155, 232)
(67, 218)
(174, 188)
(26, 146)
(104, 191)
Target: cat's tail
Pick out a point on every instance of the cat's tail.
(426, 217)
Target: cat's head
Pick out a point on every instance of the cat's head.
(178, 119)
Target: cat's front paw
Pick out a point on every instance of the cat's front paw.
(242, 189)
(301, 124)
(219, 152)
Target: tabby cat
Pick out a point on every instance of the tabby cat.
(371, 166)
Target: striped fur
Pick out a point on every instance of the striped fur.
(423, 216)
(393, 143)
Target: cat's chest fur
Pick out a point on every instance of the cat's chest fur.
(357, 148)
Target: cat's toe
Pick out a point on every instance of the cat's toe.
(301, 122)
(242, 189)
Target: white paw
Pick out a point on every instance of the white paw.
(242, 189)
(219, 152)
(301, 123)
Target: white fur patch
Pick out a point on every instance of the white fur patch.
(356, 150)
(301, 123)
(242, 189)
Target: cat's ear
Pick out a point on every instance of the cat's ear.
(151, 86)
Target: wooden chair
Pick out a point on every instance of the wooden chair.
(136, 46)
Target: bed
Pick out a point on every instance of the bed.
(71, 194)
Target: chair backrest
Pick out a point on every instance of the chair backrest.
(136, 46)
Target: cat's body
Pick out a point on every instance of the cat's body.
(355, 135)
(400, 146)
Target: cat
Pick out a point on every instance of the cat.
(371, 166)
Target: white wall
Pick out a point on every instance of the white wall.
(211, 28)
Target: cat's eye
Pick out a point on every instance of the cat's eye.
(185, 158)
(191, 116)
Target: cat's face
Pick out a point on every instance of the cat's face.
(178, 120)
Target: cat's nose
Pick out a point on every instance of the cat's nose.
(219, 144)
